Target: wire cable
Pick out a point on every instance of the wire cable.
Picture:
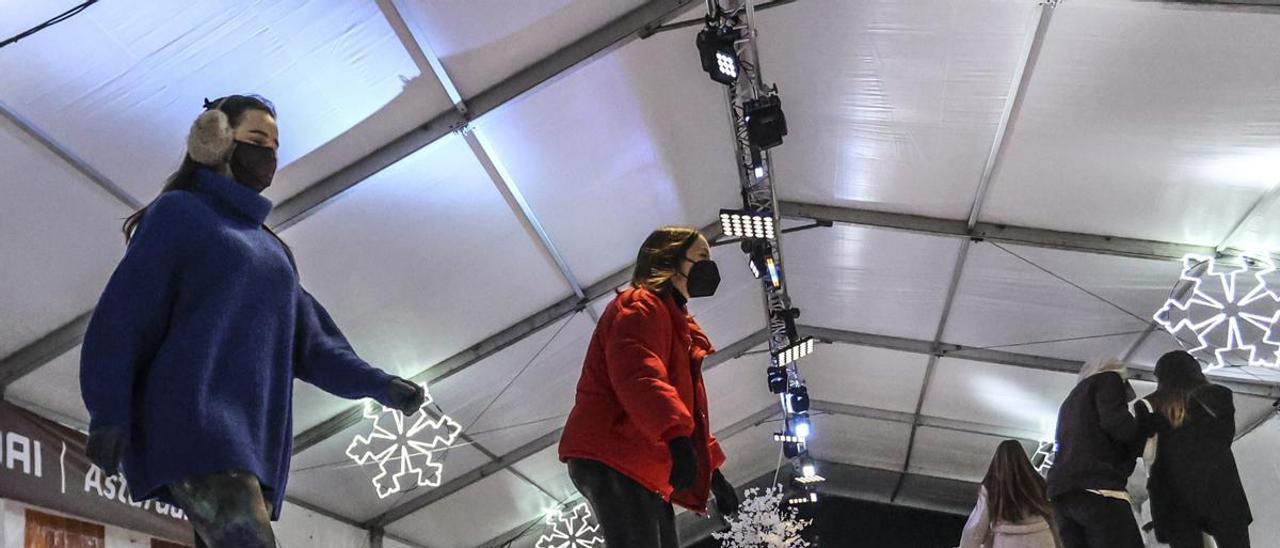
(55, 20)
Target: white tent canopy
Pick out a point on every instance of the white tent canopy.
(1012, 184)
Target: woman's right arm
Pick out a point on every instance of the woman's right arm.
(132, 315)
(978, 527)
(634, 351)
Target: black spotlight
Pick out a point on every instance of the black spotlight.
(791, 449)
(777, 379)
(719, 58)
(766, 125)
(799, 399)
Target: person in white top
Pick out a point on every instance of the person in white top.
(1013, 508)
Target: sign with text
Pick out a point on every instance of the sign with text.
(43, 463)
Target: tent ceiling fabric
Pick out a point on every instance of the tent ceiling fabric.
(1140, 121)
(121, 86)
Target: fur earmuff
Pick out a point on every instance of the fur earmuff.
(211, 138)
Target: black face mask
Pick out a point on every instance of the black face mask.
(703, 278)
(253, 166)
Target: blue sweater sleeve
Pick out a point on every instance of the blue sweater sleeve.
(324, 358)
(132, 315)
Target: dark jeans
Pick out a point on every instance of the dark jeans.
(227, 510)
(630, 515)
(1226, 537)
(1086, 520)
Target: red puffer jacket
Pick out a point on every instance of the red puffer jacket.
(641, 387)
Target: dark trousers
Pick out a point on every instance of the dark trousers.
(630, 515)
(1236, 536)
(1086, 520)
(227, 510)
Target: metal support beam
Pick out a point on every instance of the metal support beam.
(1035, 237)
(523, 211)
(1008, 119)
(620, 31)
(345, 520)
(72, 159)
(943, 423)
(1250, 387)
(42, 351)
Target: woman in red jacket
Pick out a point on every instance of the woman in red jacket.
(638, 439)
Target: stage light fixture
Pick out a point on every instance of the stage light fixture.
(808, 499)
(795, 351)
(737, 223)
(777, 379)
(801, 427)
(766, 124)
(719, 58)
(798, 402)
(786, 438)
(791, 449)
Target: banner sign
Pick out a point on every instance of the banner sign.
(43, 463)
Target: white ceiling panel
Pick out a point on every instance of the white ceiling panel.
(751, 453)
(736, 389)
(325, 476)
(120, 85)
(1262, 233)
(418, 263)
(454, 522)
(869, 280)
(617, 149)
(61, 240)
(998, 395)
(54, 389)
(859, 441)
(518, 406)
(891, 105)
(1145, 121)
(483, 42)
(736, 311)
(545, 469)
(1007, 303)
(954, 455)
(864, 376)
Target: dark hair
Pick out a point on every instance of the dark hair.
(1178, 374)
(235, 107)
(1015, 490)
(659, 257)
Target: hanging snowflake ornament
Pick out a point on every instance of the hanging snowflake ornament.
(576, 529)
(1226, 315)
(762, 522)
(403, 446)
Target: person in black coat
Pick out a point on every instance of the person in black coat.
(1194, 484)
(1098, 444)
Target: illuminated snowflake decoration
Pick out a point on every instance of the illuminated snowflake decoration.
(762, 522)
(1226, 315)
(403, 446)
(575, 529)
(1043, 459)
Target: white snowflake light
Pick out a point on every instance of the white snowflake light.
(762, 522)
(1228, 314)
(575, 529)
(403, 446)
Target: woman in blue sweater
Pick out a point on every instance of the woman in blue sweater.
(188, 364)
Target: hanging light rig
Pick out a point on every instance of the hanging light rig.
(727, 46)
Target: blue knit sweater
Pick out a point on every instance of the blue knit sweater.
(197, 338)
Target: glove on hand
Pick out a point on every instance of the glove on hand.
(106, 447)
(684, 463)
(405, 396)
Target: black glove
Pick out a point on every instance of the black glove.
(726, 495)
(684, 463)
(405, 396)
(105, 447)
